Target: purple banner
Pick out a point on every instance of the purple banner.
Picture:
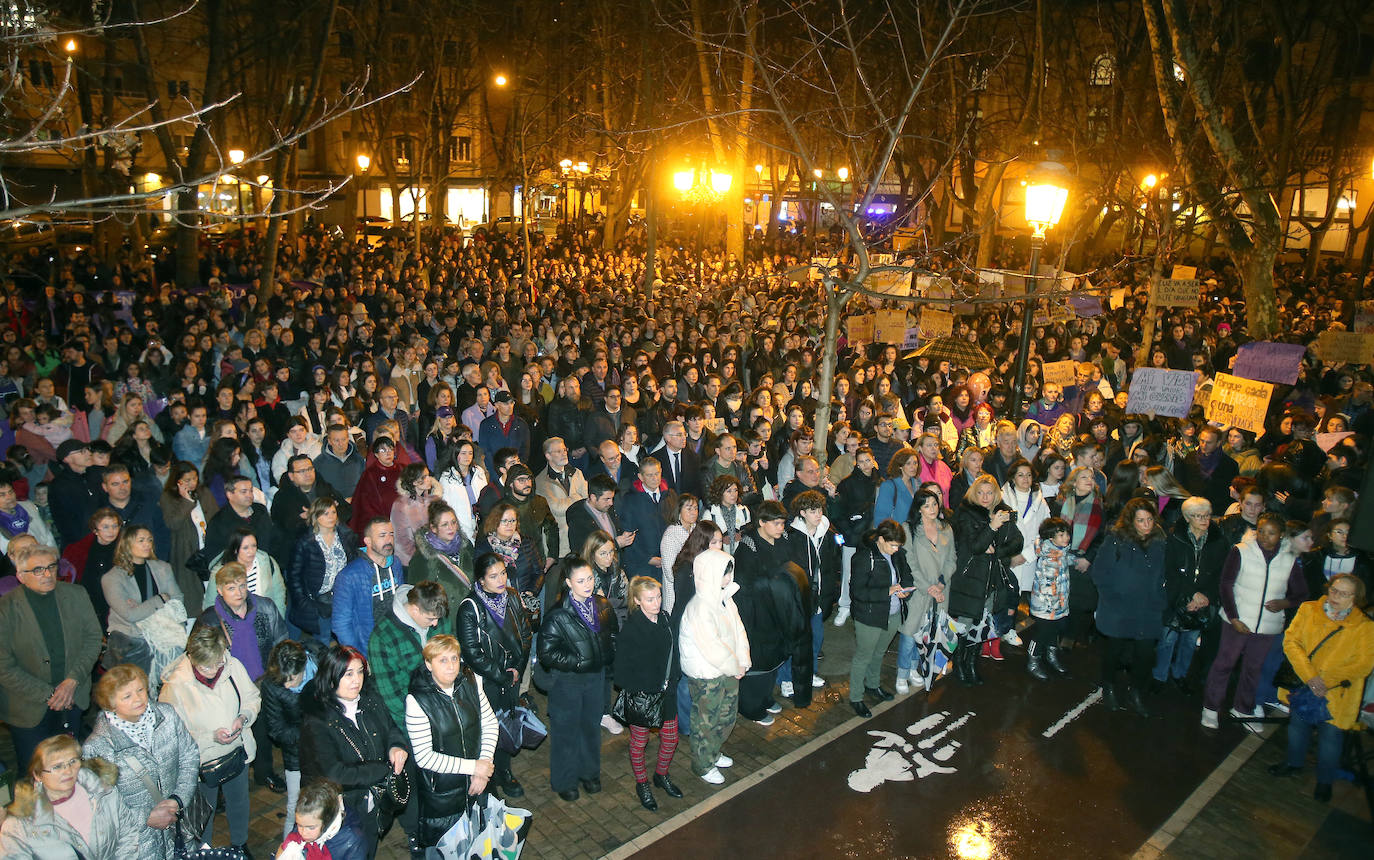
(1086, 306)
(1270, 362)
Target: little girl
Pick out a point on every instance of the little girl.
(1049, 595)
(319, 818)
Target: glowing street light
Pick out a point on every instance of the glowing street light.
(235, 156)
(1046, 193)
(702, 186)
(70, 46)
(500, 80)
(1149, 181)
(843, 173)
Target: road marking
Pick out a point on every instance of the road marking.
(1073, 713)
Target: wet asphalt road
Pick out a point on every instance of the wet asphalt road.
(968, 773)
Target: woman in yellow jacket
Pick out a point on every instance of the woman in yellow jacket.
(1336, 672)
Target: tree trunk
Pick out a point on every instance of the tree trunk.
(835, 301)
(1257, 276)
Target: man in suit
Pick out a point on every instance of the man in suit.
(681, 465)
(596, 511)
(50, 644)
(643, 511)
(612, 462)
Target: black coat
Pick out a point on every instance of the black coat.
(1187, 571)
(281, 710)
(305, 575)
(644, 650)
(870, 579)
(1130, 587)
(979, 573)
(770, 603)
(568, 645)
(853, 505)
(1216, 488)
(287, 506)
(222, 525)
(326, 750)
(822, 565)
(492, 651)
(690, 479)
(581, 524)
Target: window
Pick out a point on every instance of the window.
(304, 143)
(460, 148)
(1098, 120)
(178, 89)
(1104, 71)
(40, 73)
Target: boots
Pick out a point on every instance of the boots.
(646, 797)
(971, 666)
(962, 655)
(510, 786)
(1053, 658)
(1135, 703)
(1033, 663)
(1109, 697)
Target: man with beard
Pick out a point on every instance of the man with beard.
(365, 589)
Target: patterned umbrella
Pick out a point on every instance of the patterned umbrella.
(957, 351)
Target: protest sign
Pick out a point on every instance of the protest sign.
(1349, 346)
(912, 339)
(1327, 441)
(1161, 392)
(1270, 362)
(889, 326)
(1239, 402)
(1184, 273)
(859, 329)
(936, 323)
(1061, 373)
(891, 281)
(1364, 323)
(1176, 293)
(1086, 306)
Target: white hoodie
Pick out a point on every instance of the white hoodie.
(712, 639)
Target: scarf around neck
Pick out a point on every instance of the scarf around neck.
(495, 604)
(452, 548)
(586, 610)
(1336, 614)
(140, 732)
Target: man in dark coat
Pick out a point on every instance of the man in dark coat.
(241, 512)
(1210, 470)
(681, 465)
(772, 608)
(643, 511)
(73, 497)
(597, 511)
(292, 502)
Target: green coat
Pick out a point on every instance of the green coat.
(24, 655)
(427, 564)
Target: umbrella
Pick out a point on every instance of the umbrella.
(957, 351)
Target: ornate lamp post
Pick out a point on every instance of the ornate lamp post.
(1046, 194)
(701, 186)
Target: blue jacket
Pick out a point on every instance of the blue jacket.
(188, 445)
(639, 514)
(354, 588)
(491, 438)
(894, 502)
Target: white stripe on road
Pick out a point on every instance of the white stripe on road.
(1073, 713)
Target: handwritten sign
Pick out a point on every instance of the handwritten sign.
(889, 326)
(912, 339)
(936, 323)
(1239, 402)
(1176, 293)
(1349, 346)
(1270, 362)
(1086, 306)
(1161, 392)
(859, 328)
(1061, 373)
(1184, 273)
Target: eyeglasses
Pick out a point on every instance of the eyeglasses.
(508, 522)
(45, 568)
(1341, 592)
(63, 765)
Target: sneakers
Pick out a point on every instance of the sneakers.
(917, 682)
(1209, 719)
(713, 776)
(841, 616)
(785, 687)
(1280, 707)
(766, 721)
(817, 681)
(609, 723)
(724, 760)
(1012, 638)
(902, 688)
(1244, 719)
(775, 708)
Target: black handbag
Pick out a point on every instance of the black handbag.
(217, 772)
(1287, 677)
(392, 791)
(643, 708)
(1180, 618)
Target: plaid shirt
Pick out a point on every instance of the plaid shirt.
(394, 651)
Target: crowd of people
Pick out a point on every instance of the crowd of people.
(361, 524)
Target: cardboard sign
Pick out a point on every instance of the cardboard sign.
(1176, 293)
(1239, 402)
(1061, 373)
(936, 323)
(859, 329)
(1352, 347)
(1270, 362)
(889, 326)
(1364, 323)
(890, 281)
(1161, 392)
(1184, 273)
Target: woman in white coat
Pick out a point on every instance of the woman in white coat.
(462, 480)
(1022, 494)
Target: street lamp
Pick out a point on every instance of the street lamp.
(364, 161)
(702, 187)
(1046, 193)
(500, 80)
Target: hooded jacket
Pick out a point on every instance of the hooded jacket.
(395, 647)
(712, 640)
(818, 553)
(34, 830)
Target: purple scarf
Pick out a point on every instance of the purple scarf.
(495, 604)
(16, 523)
(586, 610)
(243, 641)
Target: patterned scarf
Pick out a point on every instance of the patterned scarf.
(1086, 520)
(495, 604)
(507, 549)
(586, 610)
(16, 523)
(140, 732)
(1336, 614)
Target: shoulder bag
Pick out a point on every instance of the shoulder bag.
(195, 813)
(1287, 676)
(392, 791)
(217, 772)
(644, 708)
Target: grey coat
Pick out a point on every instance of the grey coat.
(172, 767)
(35, 832)
(25, 685)
(928, 565)
(121, 592)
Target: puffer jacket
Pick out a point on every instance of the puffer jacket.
(568, 420)
(492, 651)
(204, 710)
(568, 645)
(281, 709)
(171, 765)
(711, 638)
(1347, 656)
(853, 506)
(33, 831)
(305, 575)
(975, 578)
(871, 579)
